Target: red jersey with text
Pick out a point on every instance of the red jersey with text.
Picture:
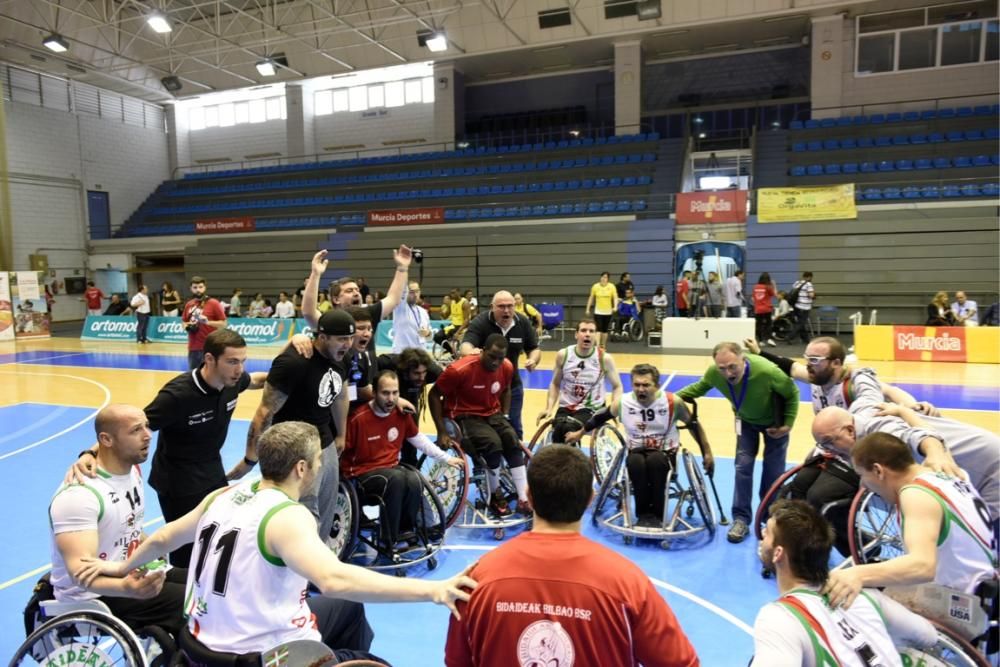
(194, 309)
(93, 297)
(762, 299)
(562, 599)
(374, 440)
(470, 389)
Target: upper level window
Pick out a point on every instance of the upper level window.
(236, 113)
(375, 95)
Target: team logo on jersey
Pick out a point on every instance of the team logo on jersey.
(545, 644)
(392, 434)
(329, 388)
(495, 388)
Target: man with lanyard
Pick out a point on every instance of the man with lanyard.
(475, 391)
(578, 382)
(800, 629)
(411, 326)
(415, 370)
(345, 293)
(191, 414)
(201, 315)
(945, 525)
(649, 417)
(756, 389)
(520, 334)
(375, 435)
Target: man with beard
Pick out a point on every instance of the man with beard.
(345, 292)
(201, 315)
(415, 370)
(375, 435)
(800, 629)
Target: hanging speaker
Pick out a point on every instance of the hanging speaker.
(171, 83)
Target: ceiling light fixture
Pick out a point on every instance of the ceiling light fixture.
(437, 42)
(56, 43)
(266, 68)
(159, 23)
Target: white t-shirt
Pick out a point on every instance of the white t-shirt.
(734, 292)
(967, 310)
(284, 309)
(140, 303)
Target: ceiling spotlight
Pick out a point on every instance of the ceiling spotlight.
(266, 68)
(56, 43)
(158, 23)
(434, 40)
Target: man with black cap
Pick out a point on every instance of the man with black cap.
(312, 390)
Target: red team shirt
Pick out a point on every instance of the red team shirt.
(212, 310)
(470, 389)
(762, 295)
(93, 296)
(682, 293)
(562, 599)
(374, 442)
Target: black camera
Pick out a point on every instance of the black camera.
(192, 326)
(418, 256)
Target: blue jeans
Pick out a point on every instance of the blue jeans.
(733, 311)
(516, 403)
(747, 445)
(195, 358)
(802, 325)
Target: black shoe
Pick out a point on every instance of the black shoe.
(499, 506)
(524, 509)
(738, 532)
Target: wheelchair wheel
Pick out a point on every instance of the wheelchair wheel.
(344, 532)
(776, 492)
(432, 516)
(633, 330)
(951, 650)
(608, 484)
(697, 483)
(783, 328)
(542, 437)
(604, 446)
(873, 529)
(98, 637)
(450, 484)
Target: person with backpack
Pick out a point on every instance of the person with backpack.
(801, 298)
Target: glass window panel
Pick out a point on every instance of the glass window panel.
(961, 11)
(394, 96)
(358, 98)
(875, 53)
(274, 108)
(917, 48)
(413, 89)
(891, 21)
(211, 116)
(376, 97)
(992, 43)
(258, 111)
(241, 112)
(960, 43)
(226, 115)
(323, 103)
(341, 100)
(197, 118)
(428, 91)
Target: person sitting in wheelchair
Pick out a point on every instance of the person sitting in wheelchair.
(578, 382)
(475, 392)
(628, 309)
(945, 525)
(375, 435)
(458, 310)
(649, 418)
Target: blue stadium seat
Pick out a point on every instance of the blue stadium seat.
(645, 179)
(812, 124)
(628, 181)
(981, 110)
(579, 208)
(963, 112)
(911, 192)
(587, 183)
(844, 121)
(904, 165)
(868, 168)
(995, 158)
(608, 207)
(831, 145)
(946, 113)
(849, 167)
(866, 142)
(601, 183)
(573, 185)
(814, 146)
(828, 122)
(893, 117)
(942, 163)
(876, 119)
(891, 193)
(593, 207)
(623, 206)
(795, 125)
(548, 186)
(653, 136)
(649, 157)
(951, 191)
(955, 136)
(615, 182)
(973, 135)
(883, 140)
(635, 158)
(848, 143)
(971, 190)
(935, 138)
(930, 192)
(981, 161)
(537, 210)
(639, 205)
(565, 209)
(886, 165)
(929, 114)
(833, 168)
(872, 193)
(962, 162)
(901, 140)
(910, 116)
(560, 185)
(815, 170)
(992, 133)
(798, 146)
(990, 189)
(923, 163)
(918, 138)
(860, 120)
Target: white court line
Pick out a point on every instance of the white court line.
(35, 361)
(663, 387)
(701, 602)
(107, 400)
(38, 570)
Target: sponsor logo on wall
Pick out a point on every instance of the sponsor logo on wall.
(929, 343)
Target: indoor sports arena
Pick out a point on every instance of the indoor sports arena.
(497, 332)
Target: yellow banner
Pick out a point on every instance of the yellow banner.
(827, 202)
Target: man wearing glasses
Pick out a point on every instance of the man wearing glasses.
(765, 402)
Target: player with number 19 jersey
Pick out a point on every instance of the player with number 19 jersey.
(652, 426)
(230, 553)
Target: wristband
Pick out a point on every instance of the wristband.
(87, 451)
(249, 462)
(506, 416)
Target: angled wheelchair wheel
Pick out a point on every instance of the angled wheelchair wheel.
(634, 330)
(432, 517)
(542, 437)
(696, 483)
(610, 481)
(783, 328)
(344, 532)
(451, 485)
(951, 650)
(604, 446)
(776, 492)
(83, 637)
(873, 529)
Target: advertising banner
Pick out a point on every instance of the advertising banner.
(726, 206)
(224, 225)
(413, 216)
(166, 330)
(262, 330)
(108, 327)
(6, 309)
(256, 331)
(829, 202)
(31, 311)
(929, 343)
(383, 335)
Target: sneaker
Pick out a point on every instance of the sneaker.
(524, 509)
(771, 343)
(499, 506)
(738, 532)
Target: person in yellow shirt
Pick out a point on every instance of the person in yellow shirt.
(458, 313)
(528, 311)
(604, 299)
(324, 303)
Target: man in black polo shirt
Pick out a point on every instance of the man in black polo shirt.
(415, 370)
(191, 414)
(310, 389)
(521, 337)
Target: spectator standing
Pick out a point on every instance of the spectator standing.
(170, 300)
(140, 306)
(698, 296)
(202, 315)
(716, 295)
(660, 304)
(470, 296)
(763, 309)
(965, 311)
(256, 306)
(116, 307)
(364, 290)
(734, 294)
(93, 297)
(683, 294)
(939, 313)
(624, 284)
(411, 325)
(284, 309)
(235, 303)
(803, 305)
(523, 308)
(324, 303)
(604, 299)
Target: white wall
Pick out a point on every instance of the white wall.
(348, 128)
(236, 142)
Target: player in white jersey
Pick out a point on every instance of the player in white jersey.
(578, 382)
(945, 525)
(800, 629)
(649, 418)
(256, 547)
(103, 519)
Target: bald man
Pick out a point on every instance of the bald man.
(970, 449)
(521, 337)
(103, 518)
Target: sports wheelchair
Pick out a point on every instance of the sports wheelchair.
(355, 535)
(628, 328)
(543, 435)
(608, 453)
(63, 632)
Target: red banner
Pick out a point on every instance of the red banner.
(711, 207)
(224, 225)
(411, 216)
(929, 343)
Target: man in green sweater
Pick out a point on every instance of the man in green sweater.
(766, 402)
